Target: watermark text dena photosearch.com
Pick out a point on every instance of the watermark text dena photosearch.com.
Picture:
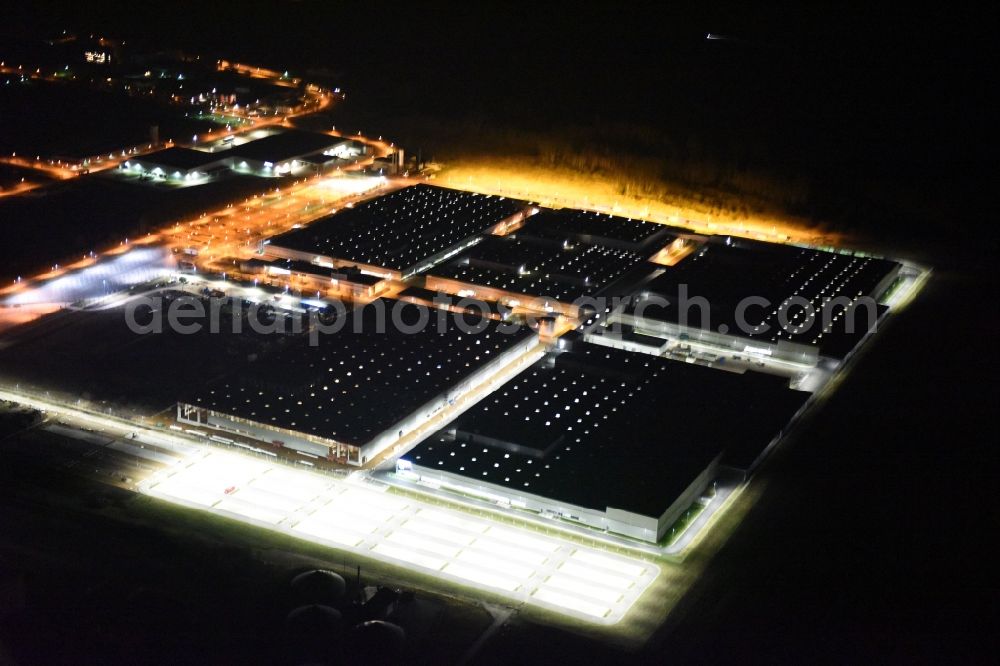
(753, 316)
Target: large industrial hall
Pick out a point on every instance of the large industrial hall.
(617, 420)
(362, 388)
(615, 440)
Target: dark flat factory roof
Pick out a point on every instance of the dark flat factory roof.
(353, 276)
(423, 294)
(400, 229)
(179, 158)
(601, 228)
(354, 385)
(541, 269)
(725, 275)
(284, 146)
(598, 428)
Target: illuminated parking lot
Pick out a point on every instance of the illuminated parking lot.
(525, 566)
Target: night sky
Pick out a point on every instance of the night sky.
(881, 113)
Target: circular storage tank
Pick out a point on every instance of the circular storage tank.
(313, 632)
(313, 619)
(375, 642)
(318, 586)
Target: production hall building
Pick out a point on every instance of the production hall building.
(400, 233)
(556, 260)
(614, 440)
(780, 301)
(618, 416)
(361, 389)
(277, 153)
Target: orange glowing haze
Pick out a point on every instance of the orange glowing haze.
(562, 188)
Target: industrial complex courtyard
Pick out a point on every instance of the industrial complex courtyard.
(504, 360)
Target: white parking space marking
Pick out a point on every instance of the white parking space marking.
(452, 520)
(277, 481)
(242, 507)
(404, 538)
(327, 532)
(460, 538)
(510, 553)
(572, 586)
(355, 508)
(522, 539)
(195, 494)
(472, 550)
(610, 563)
(368, 498)
(484, 561)
(279, 501)
(594, 575)
(487, 578)
(411, 556)
(342, 521)
(571, 602)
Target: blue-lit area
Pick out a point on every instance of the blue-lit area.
(106, 277)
